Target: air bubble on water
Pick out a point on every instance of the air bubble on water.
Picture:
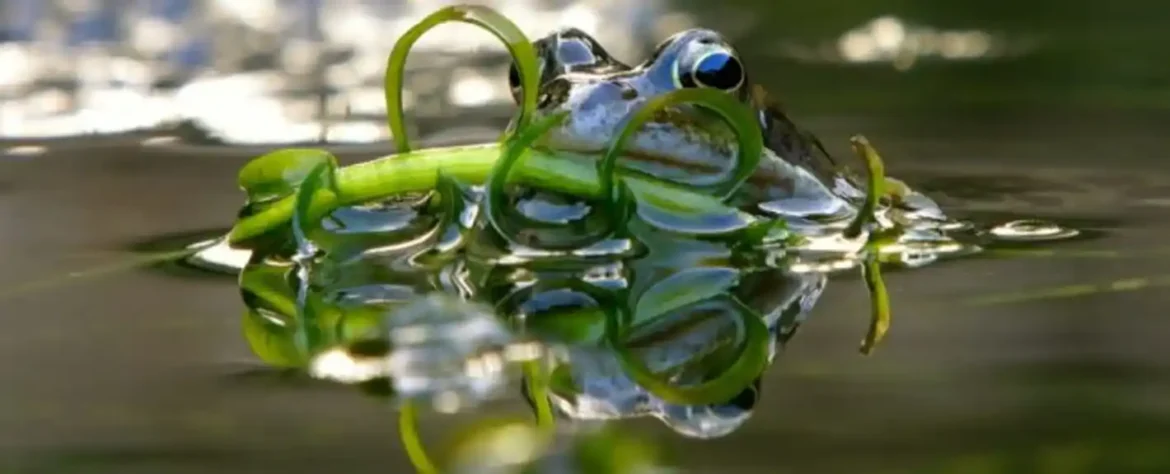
(1031, 230)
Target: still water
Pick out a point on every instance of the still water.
(1041, 358)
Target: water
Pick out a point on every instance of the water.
(1025, 358)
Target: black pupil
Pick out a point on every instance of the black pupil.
(719, 70)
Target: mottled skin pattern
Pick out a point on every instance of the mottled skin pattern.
(682, 143)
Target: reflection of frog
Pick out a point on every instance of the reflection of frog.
(579, 76)
(692, 344)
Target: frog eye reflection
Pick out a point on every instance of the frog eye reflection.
(714, 69)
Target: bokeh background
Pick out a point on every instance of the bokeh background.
(122, 123)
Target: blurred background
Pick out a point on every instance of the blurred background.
(123, 122)
(311, 69)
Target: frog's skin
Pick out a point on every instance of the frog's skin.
(578, 76)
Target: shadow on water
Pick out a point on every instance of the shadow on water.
(1031, 356)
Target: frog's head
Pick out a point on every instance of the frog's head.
(578, 76)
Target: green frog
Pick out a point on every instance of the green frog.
(796, 177)
(659, 324)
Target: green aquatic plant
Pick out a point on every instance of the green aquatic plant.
(679, 290)
(871, 269)
(507, 32)
(271, 180)
(293, 195)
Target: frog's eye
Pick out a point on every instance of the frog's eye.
(716, 69)
(514, 75)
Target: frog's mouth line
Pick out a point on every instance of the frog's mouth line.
(764, 177)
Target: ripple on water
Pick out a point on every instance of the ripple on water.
(1031, 230)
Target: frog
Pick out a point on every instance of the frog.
(796, 177)
(695, 340)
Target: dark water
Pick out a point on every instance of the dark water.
(1034, 363)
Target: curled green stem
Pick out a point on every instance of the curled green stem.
(741, 120)
(616, 202)
(522, 51)
(750, 363)
(411, 442)
(876, 176)
(313, 200)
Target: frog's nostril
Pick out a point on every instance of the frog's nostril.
(628, 91)
(555, 91)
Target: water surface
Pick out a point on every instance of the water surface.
(1042, 362)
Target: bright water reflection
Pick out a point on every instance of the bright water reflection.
(264, 71)
(1059, 380)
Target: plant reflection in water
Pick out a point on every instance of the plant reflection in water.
(440, 291)
(422, 300)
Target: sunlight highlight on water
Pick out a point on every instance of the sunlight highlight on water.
(262, 72)
(901, 43)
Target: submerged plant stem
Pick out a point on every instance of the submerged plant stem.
(411, 442)
(131, 263)
(879, 301)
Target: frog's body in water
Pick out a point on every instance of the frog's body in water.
(686, 308)
(685, 144)
(795, 177)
